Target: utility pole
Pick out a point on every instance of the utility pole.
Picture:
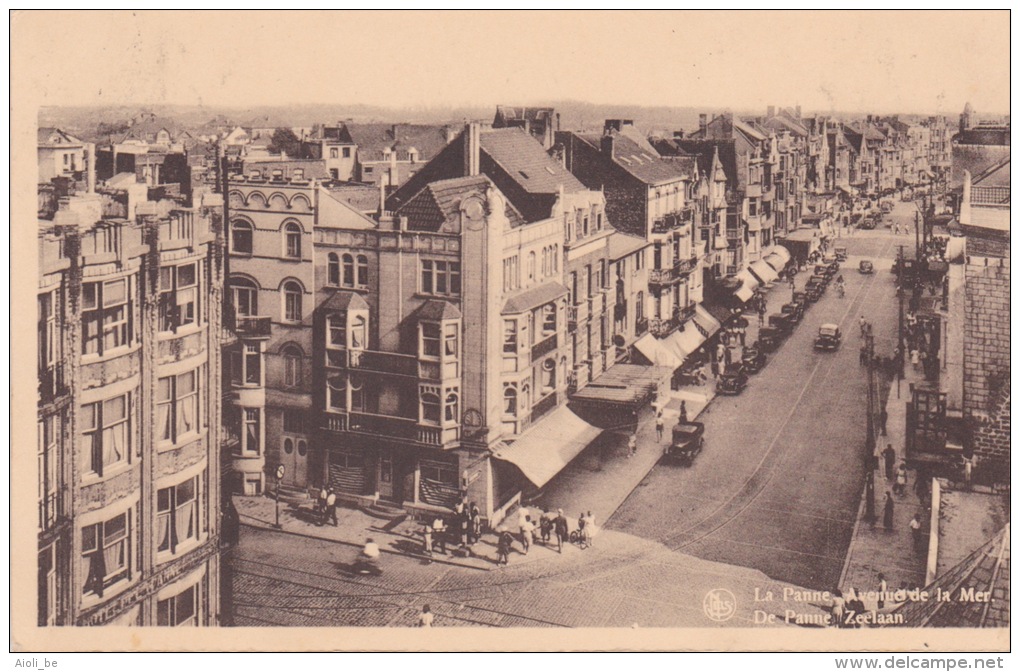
(899, 331)
(869, 443)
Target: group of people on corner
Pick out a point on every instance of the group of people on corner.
(461, 531)
(551, 528)
(325, 506)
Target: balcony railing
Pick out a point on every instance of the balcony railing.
(405, 429)
(685, 266)
(663, 327)
(253, 327)
(376, 361)
(545, 405)
(544, 347)
(673, 220)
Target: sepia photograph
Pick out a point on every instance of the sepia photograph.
(621, 330)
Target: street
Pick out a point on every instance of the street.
(778, 485)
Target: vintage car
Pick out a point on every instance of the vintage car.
(823, 271)
(781, 322)
(769, 339)
(813, 291)
(828, 337)
(732, 382)
(866, 267)
(688, 440)
(820, 280)
(841, 253)
(794, 312)
(753, 360)
(887, 206)
(801, 298)
(869, 222)
(832, 262)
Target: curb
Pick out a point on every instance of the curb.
(268, 527)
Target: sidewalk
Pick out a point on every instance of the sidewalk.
(873, 549)
(401, 536)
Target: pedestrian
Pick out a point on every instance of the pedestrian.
(889, 456)
(660, 424)
(887, 518)
(883, 417)
(527, 529)
(855, 607)
(561, 529)
(331, 506)
(503, 546)
(320, 504)
(426, 534)
(632, 445)
(901, 479)
(915, 358)
(476, 523)
(582, 529)
(683, 412)
(545, 525)
(921, 488)
(863, 324)
(838, 608)
(591, 529)
(883, 588)
(425, 619)
(915, 530)
(439, 534)
(464, 523)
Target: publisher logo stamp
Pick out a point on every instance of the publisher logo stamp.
(720, 605)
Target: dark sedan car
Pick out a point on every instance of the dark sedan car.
(829, 337)
(732, 382)
(793, 311)
(753, 359)
(866, 267)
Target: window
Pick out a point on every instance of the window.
(179, 610)
(584, 225)
(450, 340)
(511, 274)
(246, 365)
(106, 434)
(590, 279)
(524, 401)
(577, 224)
(359, 332)
(639, 261)
(572, 287)
(362, 279)
(509, 400)
(531, 266)
(603, 276)
(347, 155)
(429, 339)
(556, 258)
(178, 296)
(510, 336)
(293, 375)
(292, 301)
(348, 276)
(106, 316)
(752, 207)
(177, 406)
(246, 297)
(598, 221)
(336, 388)
(639, 306)
(451, 409)
(241, 235)
(430, 407)
(334, 152)
(292, 240)
(251, 436)
(47, 457)
(336, 325)
(440, 277)
(333, 270)
(106, 554)
(49, 345)
(548, 319)
(176, 515)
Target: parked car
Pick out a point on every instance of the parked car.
(832, 262)
(813, 292)
(887, 207)
(793, 311)
(820, 280)
(688, 440)
(753, 360)
(841, 253)
(869, 222)
(782, 323)
(828, 338)
(866, 267)
(732, 382)
(801, 298)
(769, 339)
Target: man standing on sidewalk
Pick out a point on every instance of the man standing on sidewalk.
(660, 424)
(915, 530)
(889, 455)
(331, 506)
(883, 417)
(887, 518)
(561, 529)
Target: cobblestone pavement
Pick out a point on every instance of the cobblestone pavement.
(778, 485)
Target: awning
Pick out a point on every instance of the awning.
(653, 350)
(546, 447)
(748, 283)
(688, 340)
(629, 385)
(763, 272)
(778, 258)
(673, 344)
(707, 324)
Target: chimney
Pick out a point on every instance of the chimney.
(382, 198)
(770, 111)
(702, 122)
(607, 145)
(471, 149)
(90, 163)
(557, 121)
(394, 175)
(679, 135)
(393, 131)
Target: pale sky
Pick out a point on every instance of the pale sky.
(826, 61)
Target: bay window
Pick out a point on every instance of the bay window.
(509, 400)
(177, 406)
(178, 296)
(510, 336)
(430, 409)
(106, 316)
(106, 436)
(251, 434)
(430, 340)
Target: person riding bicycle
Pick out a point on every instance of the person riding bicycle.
(369, 554)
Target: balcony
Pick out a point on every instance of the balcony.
(640, 326)
(404, 429)
(545, 405)
(673, 220)
(666, 276)
(253, 327)
(52, 384)
(685, 266)
(544, 347)
(661, 328)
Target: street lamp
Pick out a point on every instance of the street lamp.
(280, 471)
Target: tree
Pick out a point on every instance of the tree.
(285, 141)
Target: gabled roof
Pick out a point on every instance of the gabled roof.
(440, 202)
(648, 167)
(527, 163)
(49, 136)
(783, 122)
(343, 300)
(435, 310)
(147, 130)
(727, 149)
(753, 135)
(373, 139)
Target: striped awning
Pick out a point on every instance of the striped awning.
(549, 445)
(763, 272)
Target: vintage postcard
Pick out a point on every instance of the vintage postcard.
(511, 330)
